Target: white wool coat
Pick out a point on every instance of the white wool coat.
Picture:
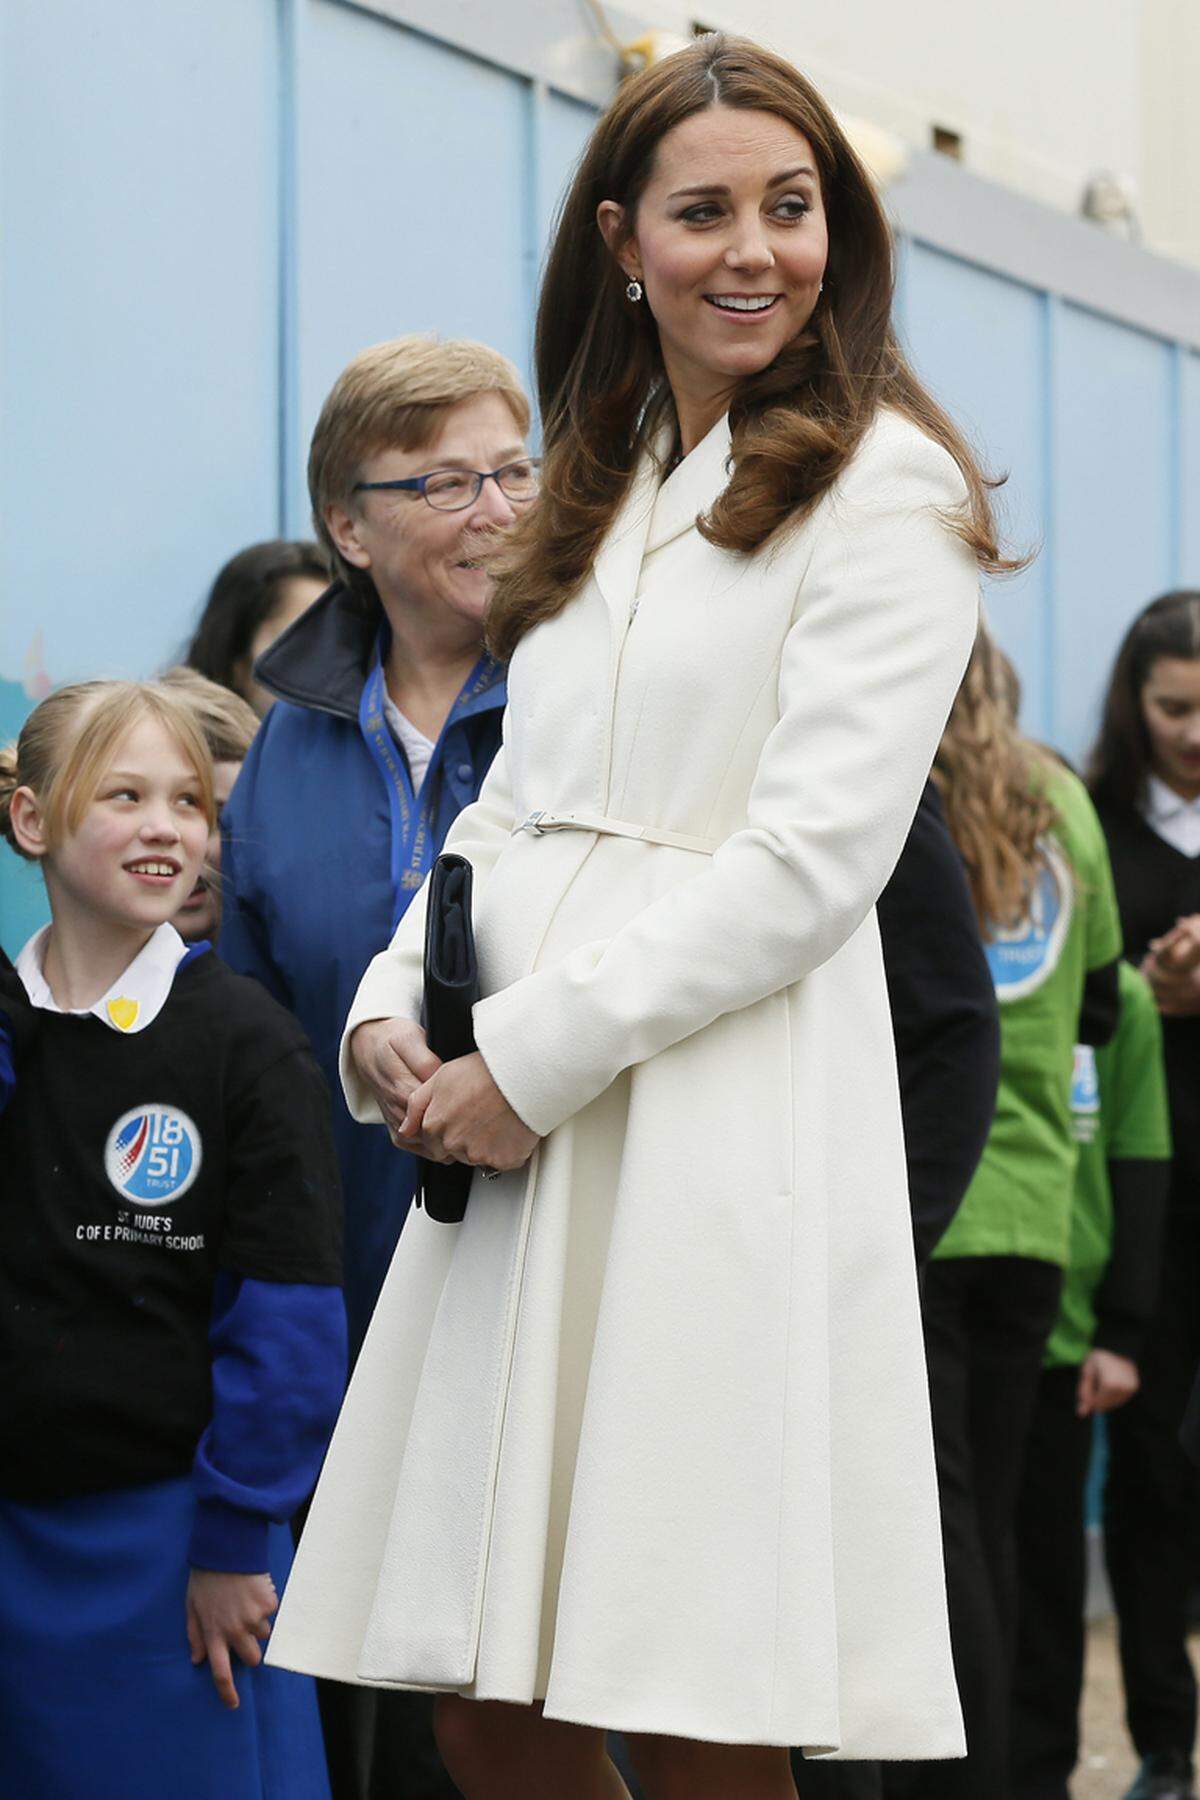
(648, 1435)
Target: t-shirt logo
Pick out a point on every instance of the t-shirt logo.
(1085, 1095)
(1022, 956)
(152, 1155)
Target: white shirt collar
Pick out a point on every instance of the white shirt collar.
(1176, 820)
(1162, 802)
(137, 996)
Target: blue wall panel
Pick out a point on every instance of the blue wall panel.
(978, 340)
(139, 307)
(412, 184)
(1112, 541)
(1188, 487)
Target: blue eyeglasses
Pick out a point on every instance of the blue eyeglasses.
(453, 490)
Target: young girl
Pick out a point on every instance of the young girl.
(171, 1329)
(1039, 874)
(1144, 776)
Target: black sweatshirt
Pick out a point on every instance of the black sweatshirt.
(135, 1170)
(1157, 884)
(944, 1017)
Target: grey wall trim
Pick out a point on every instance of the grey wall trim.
(950, 209)
(555, 41)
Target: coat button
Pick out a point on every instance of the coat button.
(465, 772)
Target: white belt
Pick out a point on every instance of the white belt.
(540, 822)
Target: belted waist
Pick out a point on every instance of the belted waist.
(540, 822)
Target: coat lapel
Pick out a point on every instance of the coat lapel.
(652, 514)
(691, 489)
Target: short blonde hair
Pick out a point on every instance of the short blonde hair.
(66, 742)
(227, 721)
(394, 396)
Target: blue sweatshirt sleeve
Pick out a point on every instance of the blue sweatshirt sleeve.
(278, 1374)
(8, 1073)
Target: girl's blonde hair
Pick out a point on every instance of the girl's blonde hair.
(67, 742)
(992, 781)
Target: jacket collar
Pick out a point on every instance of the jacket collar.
(690, 489)
(655, 511)
(323, 660)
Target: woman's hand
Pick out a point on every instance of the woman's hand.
(1106, 1381)
(460, 1115)
(391, 1057)
(224, 1613)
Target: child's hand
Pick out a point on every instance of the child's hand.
(224, 1613)
(1106, 1381)
(1178, 951)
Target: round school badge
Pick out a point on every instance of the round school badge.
(1023, 955)
(152, 1155)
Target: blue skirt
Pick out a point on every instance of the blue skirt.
(98, 1694)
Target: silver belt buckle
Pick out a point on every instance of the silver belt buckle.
(533, 822)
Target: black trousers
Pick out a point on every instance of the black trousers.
(379, 1744)
(987, 1319)
(1152, 1510)
(1051, 1593)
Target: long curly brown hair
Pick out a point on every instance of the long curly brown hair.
(992, 782)
(600, 378)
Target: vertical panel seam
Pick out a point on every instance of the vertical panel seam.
(288, 25)
(1049, 359)
(536, 101)
(1176, 499)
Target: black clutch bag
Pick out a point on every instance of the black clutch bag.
(451, 990)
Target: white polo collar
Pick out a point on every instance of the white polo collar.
(1162, 802)
(133, 1001)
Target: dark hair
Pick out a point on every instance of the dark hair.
(243, 597)
(601, 386)
(1120, 760)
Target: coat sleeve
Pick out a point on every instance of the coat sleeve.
(391, 987)
(882, 629)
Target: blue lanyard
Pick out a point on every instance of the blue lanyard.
(414, 834)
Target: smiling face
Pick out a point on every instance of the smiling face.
(1170, 703)
(729, 240)
(135, 854)
(423, 562)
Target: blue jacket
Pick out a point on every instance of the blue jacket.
(307, 877)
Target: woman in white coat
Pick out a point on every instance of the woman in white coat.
(644, 1442)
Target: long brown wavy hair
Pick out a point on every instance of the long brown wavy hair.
(600, 378)
(992, 781)
(1121, 760)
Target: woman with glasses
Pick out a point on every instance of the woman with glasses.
(644, 1442)
(386, 720)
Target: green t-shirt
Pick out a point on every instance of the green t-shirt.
(1119, 1114)
(1019, 1203)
